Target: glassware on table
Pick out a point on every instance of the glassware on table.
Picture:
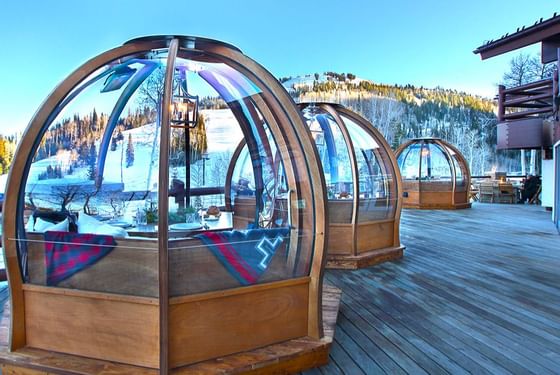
(193, 217)
(141, 220)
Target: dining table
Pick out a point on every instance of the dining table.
(224, 221)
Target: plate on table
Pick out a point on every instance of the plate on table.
(119, 223)
(102, 217)
(185, 226)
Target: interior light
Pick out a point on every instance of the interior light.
(184, 107)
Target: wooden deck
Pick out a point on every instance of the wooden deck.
(478, 291)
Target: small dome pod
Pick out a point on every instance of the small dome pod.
(435, 175)
(363, 184)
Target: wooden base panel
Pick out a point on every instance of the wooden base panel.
(458, 206)
(283, 358)
(370, 258)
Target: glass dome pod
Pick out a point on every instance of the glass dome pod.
(362, 180)
(120, 245)
(434, 173)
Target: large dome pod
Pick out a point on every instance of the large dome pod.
(434, 173)
(119, 245)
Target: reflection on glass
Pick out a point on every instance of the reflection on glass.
(376, 185)
(409, 162)
(94, 178)
(333, 152)
(95, 169)
(240, 237)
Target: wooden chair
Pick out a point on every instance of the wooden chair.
(505, 191)
(486, 189)
(474, 193)
(535, 199)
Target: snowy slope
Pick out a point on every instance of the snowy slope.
(223, 136)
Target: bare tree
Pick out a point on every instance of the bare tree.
(521, 71)
(539, 70)
(385, 114)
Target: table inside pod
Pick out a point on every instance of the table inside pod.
(121, 247)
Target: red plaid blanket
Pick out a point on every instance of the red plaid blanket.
(67, 253)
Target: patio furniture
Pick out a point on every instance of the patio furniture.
(536, 198)
(474, 193)
(486, 191)
(505, 192)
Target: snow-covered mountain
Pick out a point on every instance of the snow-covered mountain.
(308, 80)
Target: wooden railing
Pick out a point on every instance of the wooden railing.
(527, 101)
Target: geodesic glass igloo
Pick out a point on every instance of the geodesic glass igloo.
(363, 185)
(434, 173)
(120, 246)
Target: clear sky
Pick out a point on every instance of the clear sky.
(422, 42)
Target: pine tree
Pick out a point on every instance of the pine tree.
(198, 140)
(113, 144)
(91, 161)
(129, 152)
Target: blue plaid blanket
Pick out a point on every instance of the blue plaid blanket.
(245, 254)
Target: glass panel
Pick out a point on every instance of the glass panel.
(435, 166)
(460, 171)
(214, 244)
(93, 175)
(436, 169)
(335, 159)
(409, 161)
(378, 196)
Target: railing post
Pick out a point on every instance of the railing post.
(554, 93)
(501, 100)
(555, 86)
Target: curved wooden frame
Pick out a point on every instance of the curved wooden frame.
(416, 193)
(304, 177)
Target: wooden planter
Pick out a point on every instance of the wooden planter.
(165, 303)
(421, 189)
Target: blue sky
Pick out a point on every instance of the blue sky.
(426, 42)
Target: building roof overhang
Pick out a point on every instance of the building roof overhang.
(547, 32)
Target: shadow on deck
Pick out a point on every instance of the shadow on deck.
(478, 291)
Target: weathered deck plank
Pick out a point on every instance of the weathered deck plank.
(478, 291)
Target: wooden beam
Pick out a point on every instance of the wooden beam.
(163, 207)
(518, 115)
(524, 100)
(540, 83)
